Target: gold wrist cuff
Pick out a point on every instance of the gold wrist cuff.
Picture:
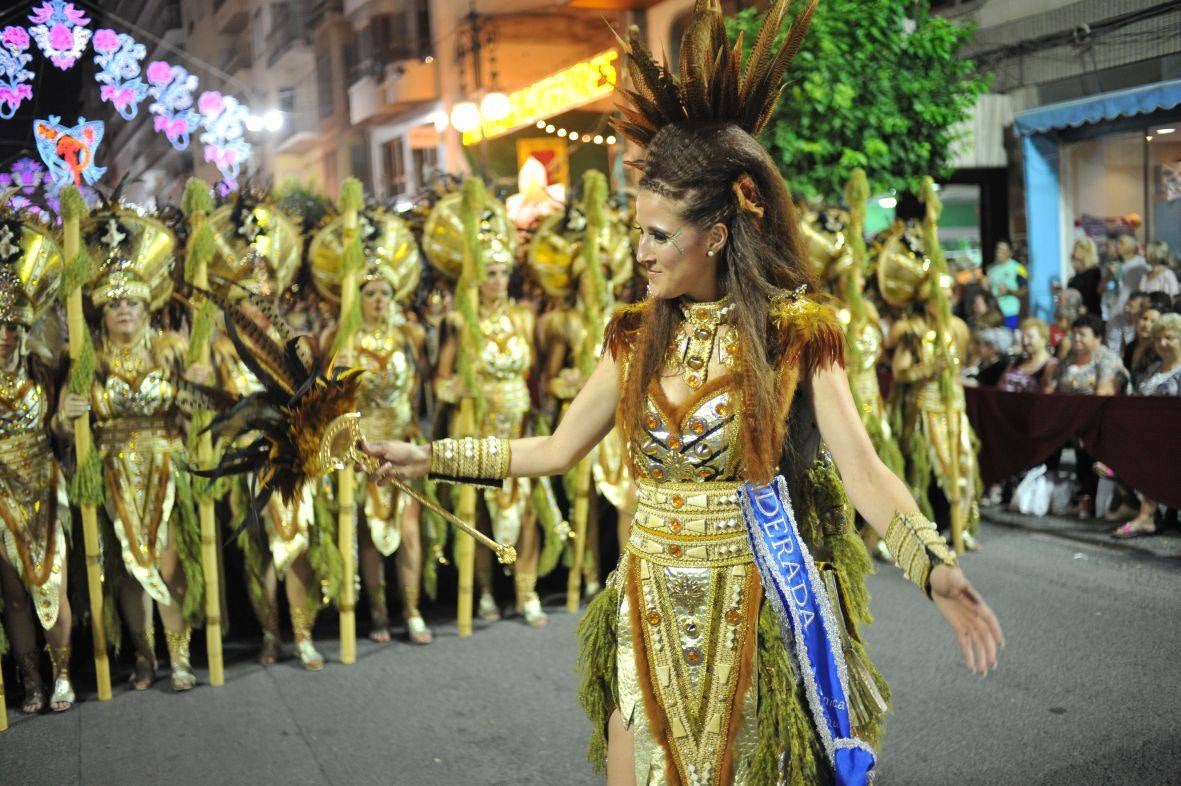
(470, 459)
(917, 547)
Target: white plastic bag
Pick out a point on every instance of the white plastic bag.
(1032, 496)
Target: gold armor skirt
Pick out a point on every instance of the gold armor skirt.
(687, 633)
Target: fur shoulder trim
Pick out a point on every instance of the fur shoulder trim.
(806, 332)
(620, 335)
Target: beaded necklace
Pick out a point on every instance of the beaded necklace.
(694, 344)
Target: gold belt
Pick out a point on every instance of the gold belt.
(137, 434)
(24, 449)
(689, 525)
(931, 398)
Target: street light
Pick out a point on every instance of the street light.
(254, 123)
(465, 117)
(273, 120)
(495, 106)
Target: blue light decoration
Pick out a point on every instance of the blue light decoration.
(172, 87)
(14, 56)
(61, 32)
(223, 119)
(69, 152)
(118, 59)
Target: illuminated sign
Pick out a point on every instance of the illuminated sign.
(568, 89)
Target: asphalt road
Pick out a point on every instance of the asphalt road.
(1087, 693)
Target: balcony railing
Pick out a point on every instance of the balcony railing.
(287, 31)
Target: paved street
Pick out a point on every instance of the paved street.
(1088, 693)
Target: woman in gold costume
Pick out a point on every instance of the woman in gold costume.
(258, 251)
(927, 401)
(391, 349)
(139, 435)
(501, 363)
(34, 512)
(702, 380)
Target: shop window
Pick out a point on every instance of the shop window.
(359, 164)
(286, 99)
(424, 163)
(1103, 182)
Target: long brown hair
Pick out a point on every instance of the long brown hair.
(718, 173)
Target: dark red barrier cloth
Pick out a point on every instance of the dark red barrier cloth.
(1138, 437)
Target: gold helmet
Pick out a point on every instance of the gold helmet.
(442, 235)
(132, 256)
(30, 271)
(256, 230)
(555, 253)
(904, 270)
(825, 232)
(389, 248)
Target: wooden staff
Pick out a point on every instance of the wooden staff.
(594, 199)
(467, 298)
(200, 202)
(73, 207)
(347, 522)
(943, 334)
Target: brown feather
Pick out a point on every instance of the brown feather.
(761, 54)
(791, 46)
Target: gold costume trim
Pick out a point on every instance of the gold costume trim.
(917, 547)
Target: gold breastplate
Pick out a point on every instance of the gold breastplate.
(505, 354)
(696, 441)
(23, 406)
(389, 382)
(134, 409)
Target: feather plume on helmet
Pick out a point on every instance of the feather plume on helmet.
(713, 84)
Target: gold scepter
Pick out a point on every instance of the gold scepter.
(340, 448)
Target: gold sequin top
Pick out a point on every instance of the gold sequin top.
(24, 413)
(505, 359)
(135, 402)
(390, 381)
(696, 441)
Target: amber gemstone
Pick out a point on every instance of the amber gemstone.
(695, 363)
(692, 656)
(698, 426)
(658, 473)
(674, 443)
(676, 525)
(678, 500)
(723, 409)
(701, 334)
(675, 550)
(653, 618)
(733, 617)
(652, 422)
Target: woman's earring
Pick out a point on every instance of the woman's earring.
(709, 253)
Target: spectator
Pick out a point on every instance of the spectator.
(1092, 369)
(1163, 380)
(1008, 281)
(1140, 353)
(1084, 260)
(1160, 277)
(990, 356)
(984, 313)
(1067, 308)
(1120, 279)
(1036, 371)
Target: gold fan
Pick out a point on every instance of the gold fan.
(443, 242)
(390, 252)
(829, 252)
(138, 246)
(555, 254)
(36, 261)
(904, 271)
(262, 229)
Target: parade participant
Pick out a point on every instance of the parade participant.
(570, 338)
(701, 379)
(1008, 280)
(138, 432)
(501, 361)
(258, 251)
(928, 412)
(391, 349)
(34, 511)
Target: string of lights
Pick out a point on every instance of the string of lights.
(591, 137)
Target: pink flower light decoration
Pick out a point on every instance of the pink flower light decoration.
(15, 37)
(106, 41)
(60, 31)
(159, 73)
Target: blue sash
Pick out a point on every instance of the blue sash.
(792, 583)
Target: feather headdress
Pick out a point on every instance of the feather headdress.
(713, 84)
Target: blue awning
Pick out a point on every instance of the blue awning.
(1134, 101)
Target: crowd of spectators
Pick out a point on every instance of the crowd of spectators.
(1116, 331)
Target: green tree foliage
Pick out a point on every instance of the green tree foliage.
(878, 85)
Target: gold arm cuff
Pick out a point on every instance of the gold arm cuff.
(917, 547)
(470, 460)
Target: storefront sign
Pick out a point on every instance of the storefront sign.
(568, 89)
(554, 153)
(423, 137)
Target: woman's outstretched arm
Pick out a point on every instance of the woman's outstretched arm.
(879, 496)
(587, 420)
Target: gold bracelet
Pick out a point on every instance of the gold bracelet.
(917, 547)
(470, 459)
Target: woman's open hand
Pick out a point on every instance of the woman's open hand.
(976, 627)
(399, 460)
